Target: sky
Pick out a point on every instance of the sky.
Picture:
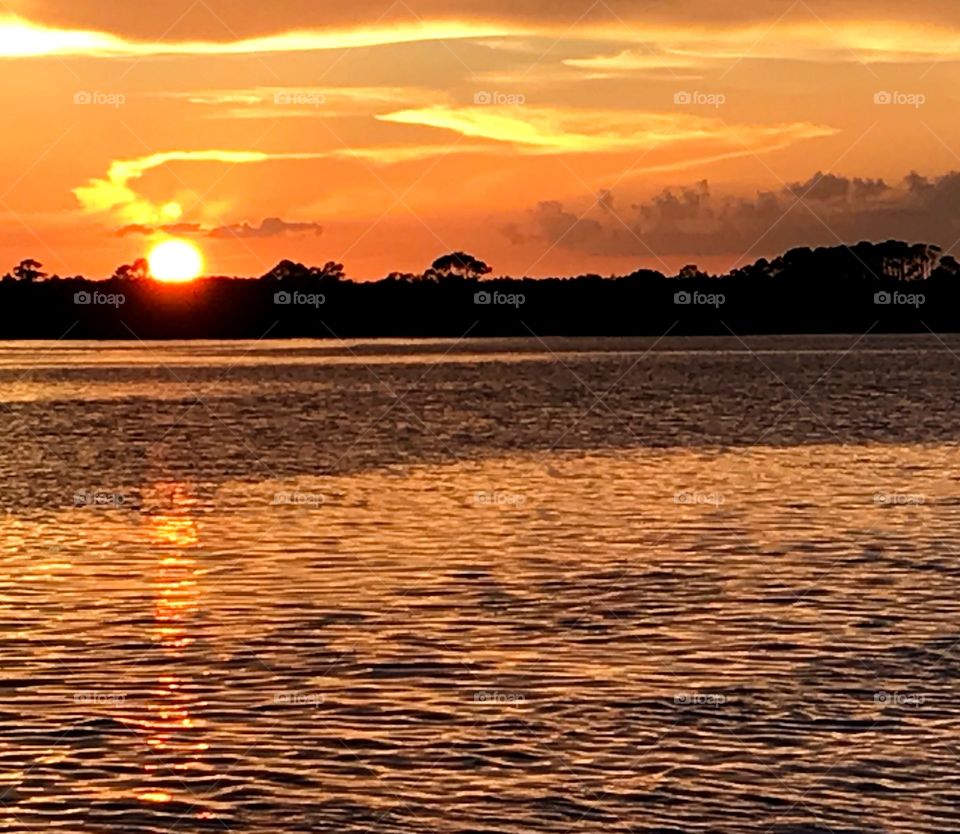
(547, 138)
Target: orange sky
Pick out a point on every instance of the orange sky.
(546, 138)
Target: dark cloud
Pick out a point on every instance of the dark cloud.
(605, 200)
(269, 227)
(690, 220)
(826, 187)
(172, 229)
(134, 229)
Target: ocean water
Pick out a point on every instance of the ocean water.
(489, 586)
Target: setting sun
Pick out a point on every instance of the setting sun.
(175, 261)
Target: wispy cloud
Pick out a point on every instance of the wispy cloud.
(114, 194)
(636, 61)
(303, 102)
(20, 38)
(672, 44)
(841, 41)
(570, 130)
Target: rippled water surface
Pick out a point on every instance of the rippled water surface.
(495, 586)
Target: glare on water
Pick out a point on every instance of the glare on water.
(264, 610)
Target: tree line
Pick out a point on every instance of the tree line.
(893, 286)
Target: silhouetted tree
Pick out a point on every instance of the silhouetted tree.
(645, 275)
(291, 270)
(138, 270)
(947, 269)
(924, 258)
(329, 272)
(691, 271)
(29, 270)
(949, 265)
(459, 264)
(286, 270)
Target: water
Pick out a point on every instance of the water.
(498, 586)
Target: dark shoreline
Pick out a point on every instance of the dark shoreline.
(891, 287)
(231, 308)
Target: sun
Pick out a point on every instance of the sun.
(175, 261)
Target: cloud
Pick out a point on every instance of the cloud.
(569, 130)
(690, 220)
(218, 97)
(666, 43)
(114, 194)
(283, 102)
(689, 47)
(641, 61)
(269, 227)
(20, 38)
(170, 229)
(134, 229)
(691, 139)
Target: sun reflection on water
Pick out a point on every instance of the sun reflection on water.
(171, 529)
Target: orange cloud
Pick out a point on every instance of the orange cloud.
(115, 195)
(664, 45)
(843, 41)
(20, 39)
(289, 102)
(568, 130)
